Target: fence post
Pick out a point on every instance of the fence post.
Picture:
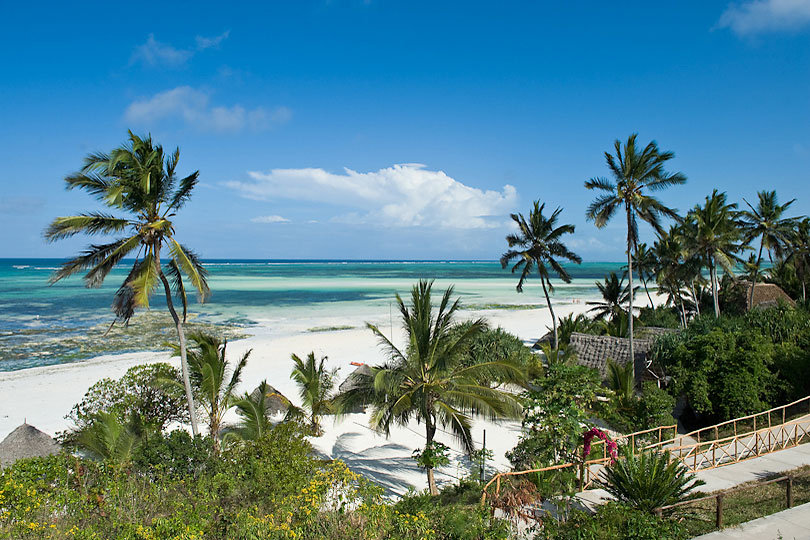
(582, 475)
(789, 491)
(719, 520)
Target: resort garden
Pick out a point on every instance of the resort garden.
(721, 344)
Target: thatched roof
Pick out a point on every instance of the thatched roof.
(24, 442)
(352, 380)
(766, 295)
(274, 402)
(595, 351)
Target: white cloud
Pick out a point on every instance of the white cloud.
(758, 16)
(193, 107)
(155, 53)
(207, 43)
(270, 219)
(407, 195)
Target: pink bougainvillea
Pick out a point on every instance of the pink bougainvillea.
(611, 446)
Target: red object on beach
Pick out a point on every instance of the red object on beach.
(358, 363)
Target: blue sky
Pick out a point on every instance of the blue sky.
(384, 129)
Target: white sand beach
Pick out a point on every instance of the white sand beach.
(43, 396)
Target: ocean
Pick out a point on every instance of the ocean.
(42, 324)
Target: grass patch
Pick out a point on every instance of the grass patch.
(747, 502)
(330, 328)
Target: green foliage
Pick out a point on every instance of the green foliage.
(176, 455)
(554, 409)
(733, 366)
(434, 454)
(659, 316)
(140, 392)
(450, 520)
(315, 385)
(493, 344)
(581, 324)
(621, 380)
(613, 521)
(252, 411)
(648, 480)
(654, 408)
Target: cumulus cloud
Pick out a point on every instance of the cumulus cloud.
(759, 16)
(407, 195)
(193, 107)
(156, 53)
(270, 219)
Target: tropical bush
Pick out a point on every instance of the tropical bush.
(141, 392)
(554, 410)
(613, 521)
(648, 480)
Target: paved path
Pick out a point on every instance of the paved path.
(729, 476)
(787, 525)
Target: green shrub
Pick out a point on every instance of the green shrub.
(648, 480)
(613, 521)
(176, 455)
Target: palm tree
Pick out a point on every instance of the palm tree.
(766, 223)
(715, 237)
(212, 377)
(252, 409)
(614, 295)
(427, 381)
(108, 438)
(315, 383)
(539, 242)
(137, 178)
(634, 175)
(620, 379)
(669, 273)
(646, 263)
(799, 255)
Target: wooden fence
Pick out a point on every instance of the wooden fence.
(709, 450)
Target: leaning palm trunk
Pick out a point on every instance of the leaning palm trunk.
(756, 274)
(695, 297)
(181, 338)
(637, 369)
(551, 310)
(713, 277)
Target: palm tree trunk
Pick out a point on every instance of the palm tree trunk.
(637, 369)
(430, 433)
(551, 310)
(181, 338)
(695, 297)
(713, 277)
(756, 274)
(646, 290)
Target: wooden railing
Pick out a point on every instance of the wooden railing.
(589, 470)
(711, 452)
(735, 448)
(757, 421)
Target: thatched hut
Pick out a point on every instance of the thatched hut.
(594, 351)
(24, 442)
(765, 295)
(353, 380)
(274, 401)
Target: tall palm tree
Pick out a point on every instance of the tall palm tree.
(427, 381)
(645, 263)
(716, 237)
(799, 255)
(539, 240)
(765, 222)
(137, 178)
(615, 294)
(315, 384)
(635, 173)
(213, 378)
(670, 274)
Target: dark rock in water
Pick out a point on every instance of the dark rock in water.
(24, 442)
